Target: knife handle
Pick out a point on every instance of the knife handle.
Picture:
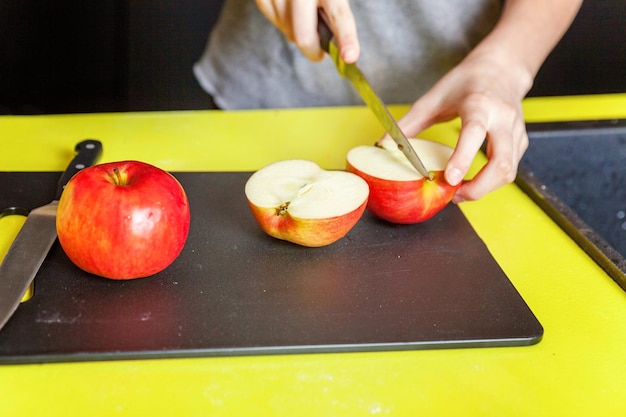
(323, 30)
(87, 153)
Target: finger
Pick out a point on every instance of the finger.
(417, 118)
(304, 26)
(523, 142)
(343, 25)
(472, 135)
(491, 177)
(413, 122)
(422, 114)
(504, 152)
(426, 111)
(433, 107)
(273, 11)
(507, 142)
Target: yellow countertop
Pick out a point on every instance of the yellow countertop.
(578, 369)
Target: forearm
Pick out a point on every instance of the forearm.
(526, 33)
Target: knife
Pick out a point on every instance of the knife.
(367, 93)
(31, 245)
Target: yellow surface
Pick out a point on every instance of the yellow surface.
(10, 225)
(579, 369)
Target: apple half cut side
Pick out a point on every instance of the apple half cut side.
(298, 201)
(398, 193)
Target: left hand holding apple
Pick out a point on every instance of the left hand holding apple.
(486, 96)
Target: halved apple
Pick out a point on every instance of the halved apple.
(298, 201)
(398, 193)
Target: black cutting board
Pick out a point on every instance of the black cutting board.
(236, 291)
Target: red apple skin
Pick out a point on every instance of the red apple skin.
(123, 220)
(407, 202)
(305, 232)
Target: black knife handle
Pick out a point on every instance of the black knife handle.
(323, 30)
(87, 153)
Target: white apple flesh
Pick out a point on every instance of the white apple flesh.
(298, 201)
(398, 193)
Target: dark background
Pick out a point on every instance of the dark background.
(133, 55)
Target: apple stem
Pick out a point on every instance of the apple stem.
(116, 177)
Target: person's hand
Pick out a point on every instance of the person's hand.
(486, 90)
(297, 20)
(486, 93)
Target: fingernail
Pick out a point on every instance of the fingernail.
(349, 55)
(454, 176)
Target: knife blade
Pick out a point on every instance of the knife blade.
(353, 74)
(35, 238)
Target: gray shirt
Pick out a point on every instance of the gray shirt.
(406, 46)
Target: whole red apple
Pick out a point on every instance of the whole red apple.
(123, 220)
(298, 201)
(398, 193)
